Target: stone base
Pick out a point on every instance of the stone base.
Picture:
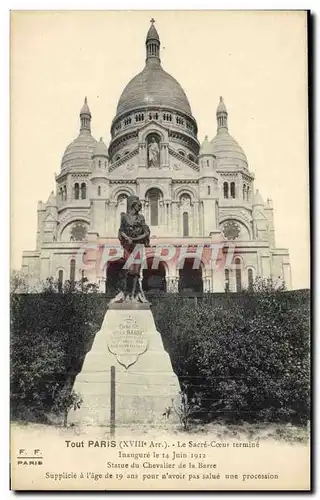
(143, 390)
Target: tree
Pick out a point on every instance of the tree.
(18, 282)
(52, 285)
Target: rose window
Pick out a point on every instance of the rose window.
(231, 230)
(78, 231)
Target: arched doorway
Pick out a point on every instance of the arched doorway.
(154, 280)
(115, 275)
(190, 280)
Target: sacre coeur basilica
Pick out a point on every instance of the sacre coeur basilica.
(198, 199)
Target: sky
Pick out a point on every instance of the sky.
(256, 60)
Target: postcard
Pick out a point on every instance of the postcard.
(160, 294)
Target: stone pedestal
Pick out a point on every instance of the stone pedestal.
(145, 383)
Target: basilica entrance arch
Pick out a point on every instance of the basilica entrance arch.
(190, 280)
(154, 280)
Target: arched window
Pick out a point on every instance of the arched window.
(191, 157)
(60, 280)
(250, 279)
(72, 270)
(248, 190)
(185, 218)
(83, 191)
(225, 190)
(76, 191)
(99, 190)
(99, 163)
(61, 194)
(233, 190)
(237, 261)
(154, 196)
(244, 191)
(227, 280)
(209, 190)
(181, 152)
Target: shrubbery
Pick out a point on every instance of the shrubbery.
(247, 361)
(241, 356)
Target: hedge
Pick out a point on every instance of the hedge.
(243, 356)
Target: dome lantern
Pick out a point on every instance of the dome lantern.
(85, 117)
(222, 115)
(152, 44)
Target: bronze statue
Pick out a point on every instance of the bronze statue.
(133, 231)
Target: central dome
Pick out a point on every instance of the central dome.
(153, 87)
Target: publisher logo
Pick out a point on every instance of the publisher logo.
(30, 457)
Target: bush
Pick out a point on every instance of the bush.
(249, 361)
(50, 335)
(240, 356)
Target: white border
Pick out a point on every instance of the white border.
(4, 198)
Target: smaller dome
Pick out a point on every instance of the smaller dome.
(226, 147)
(100, 149)
(206, 147)
(80, 151)
(257, 199)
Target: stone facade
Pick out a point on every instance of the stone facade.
(191, 194)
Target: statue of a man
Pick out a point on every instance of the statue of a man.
(133, 231)
(153, 153)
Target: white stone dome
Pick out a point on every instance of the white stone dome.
(226, 147)
(79, 152)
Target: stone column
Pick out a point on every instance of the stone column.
(161, 214)
(201, 219)
(218, 277)
(143, 211)
(69, 188)
(239, 187)
(173, 217)
(192, 231)
(165, 218)
(170, 217)
(112, 216)
(178, 218)
(196, 218)
(147, 212)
